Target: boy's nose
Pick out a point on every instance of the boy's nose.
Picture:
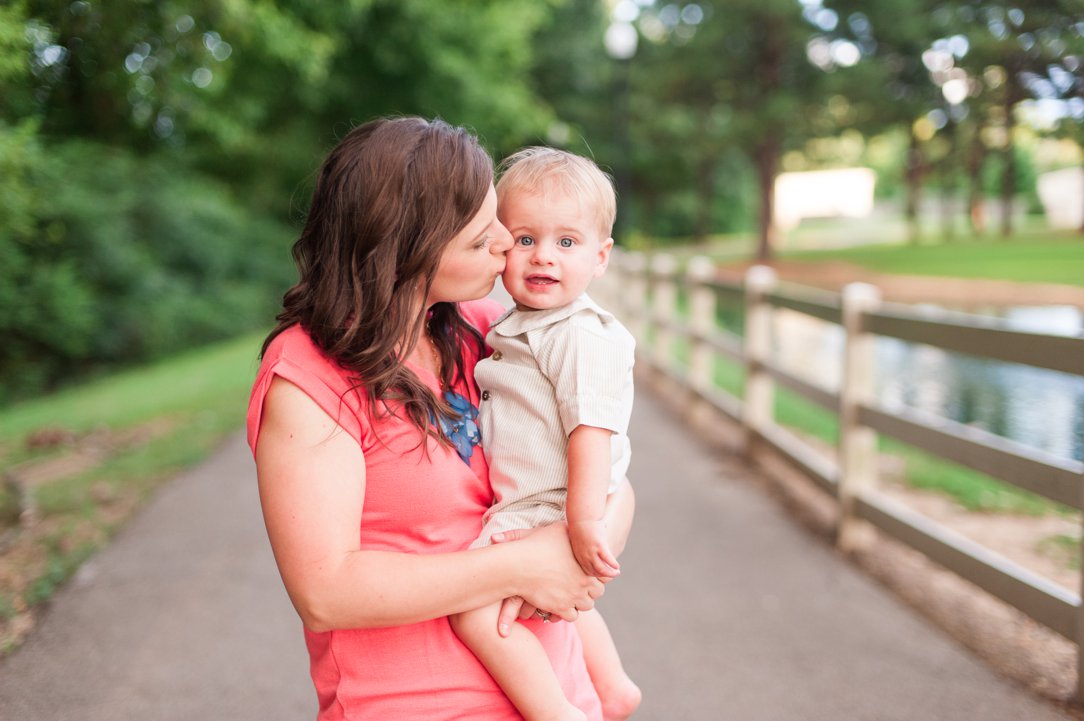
(542, 254)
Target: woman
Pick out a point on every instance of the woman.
(360, 420)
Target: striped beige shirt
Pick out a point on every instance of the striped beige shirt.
(550, 371)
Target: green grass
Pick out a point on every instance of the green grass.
(150, 423)
(1062, 548)
(972, 490)
(1035, 254)
(1045, 258)
(218, 376)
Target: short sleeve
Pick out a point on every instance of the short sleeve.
(293, 357)
(589, 363)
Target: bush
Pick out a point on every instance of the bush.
(108, 259)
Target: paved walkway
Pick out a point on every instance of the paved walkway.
(726, 610)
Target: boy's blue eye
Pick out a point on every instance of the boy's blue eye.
(566, 242)
(525, 240)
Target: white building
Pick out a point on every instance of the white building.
(847, 192)
(1062, 196)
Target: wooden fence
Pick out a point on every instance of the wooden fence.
(645, 294)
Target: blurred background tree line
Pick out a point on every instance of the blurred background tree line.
(155, 157)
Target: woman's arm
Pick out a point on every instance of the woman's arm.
(620, 508)
(312, 489)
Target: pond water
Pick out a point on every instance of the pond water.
(1041, 408)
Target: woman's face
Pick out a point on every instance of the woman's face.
(473, 259)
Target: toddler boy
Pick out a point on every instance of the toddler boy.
(556, 401)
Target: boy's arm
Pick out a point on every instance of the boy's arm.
(620, 509)
(588, 479)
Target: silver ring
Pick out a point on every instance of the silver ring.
(544, 615)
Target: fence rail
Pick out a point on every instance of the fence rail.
(646, 294)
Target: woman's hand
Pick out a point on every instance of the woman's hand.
(555, 581)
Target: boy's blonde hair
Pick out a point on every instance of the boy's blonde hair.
(540, 170)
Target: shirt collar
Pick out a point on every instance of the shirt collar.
(516, 322)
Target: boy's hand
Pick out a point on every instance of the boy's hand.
(591, 549)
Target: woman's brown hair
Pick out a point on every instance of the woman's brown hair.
(387, 201)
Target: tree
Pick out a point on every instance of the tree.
(893, 88)
(151, 152)
(739, 70)
(1012, 47)
(1059, 86)
(466, 62)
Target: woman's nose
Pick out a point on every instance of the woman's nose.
(503, 241)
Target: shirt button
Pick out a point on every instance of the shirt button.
(497, 355)
(485, 395)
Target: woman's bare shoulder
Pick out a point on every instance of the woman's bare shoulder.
(481, 313)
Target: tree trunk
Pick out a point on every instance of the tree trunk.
(768, 148)
(705, 195)
(947, 171)
(976, 204)
(1008, 176)
(913, 178)
(948, 201)
(767, 165)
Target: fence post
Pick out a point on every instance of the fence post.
(663, 306)
(857, 443)
(760, 280)
(602, 289)
(634, 298)
(699, 273)
(1079, 697)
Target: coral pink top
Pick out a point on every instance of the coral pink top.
(420, 671)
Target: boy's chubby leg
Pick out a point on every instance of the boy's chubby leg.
(619, 695)
(518, 663)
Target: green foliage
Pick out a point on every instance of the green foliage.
(130, 259)
(572, 74)
(143, 146)
(993, 173)
(14, 47)
(463, 61)
(150, 153)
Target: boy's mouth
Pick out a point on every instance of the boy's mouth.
(541, 280)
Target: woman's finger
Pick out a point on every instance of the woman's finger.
(526, 610)
(515, 535)
(569, 614)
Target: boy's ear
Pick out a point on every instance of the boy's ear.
(604, 248)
